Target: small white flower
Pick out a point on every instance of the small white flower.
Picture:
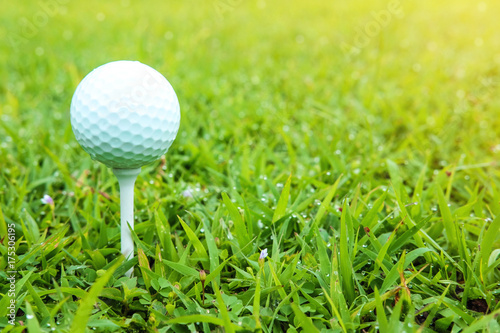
(263, 254)
(47, 200)
(187, 194)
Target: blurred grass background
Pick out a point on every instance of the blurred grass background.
(424, 87)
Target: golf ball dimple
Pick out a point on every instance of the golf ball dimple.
(125, 114)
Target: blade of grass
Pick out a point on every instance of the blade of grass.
(256, 301)
(33, 324)
(84, 310)
(449, 225)
(305, 321)
(283, 201)
(198, 246)
(381, 317)
(322, 209)
(487, 245)
(222, 309)
(345, 264)
(242, 232)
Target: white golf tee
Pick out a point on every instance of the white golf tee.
(126, 180)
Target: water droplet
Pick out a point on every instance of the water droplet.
(30, 316)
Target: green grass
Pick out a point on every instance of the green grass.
(371, 177)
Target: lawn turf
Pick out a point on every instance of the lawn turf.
(362, 154)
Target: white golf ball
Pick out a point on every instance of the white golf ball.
(125, 114)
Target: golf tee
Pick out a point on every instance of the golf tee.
(126, 180)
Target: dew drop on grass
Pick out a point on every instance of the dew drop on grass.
(30, 316)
